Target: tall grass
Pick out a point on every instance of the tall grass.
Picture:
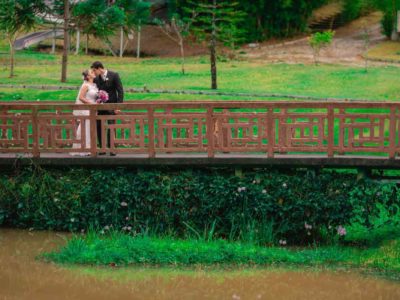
(123, 249)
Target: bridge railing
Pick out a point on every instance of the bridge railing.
(151, 128)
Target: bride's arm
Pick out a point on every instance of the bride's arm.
(82, 95)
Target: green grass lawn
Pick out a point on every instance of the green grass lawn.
(10, 95)
(327, 81)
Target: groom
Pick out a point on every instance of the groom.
(110, 82)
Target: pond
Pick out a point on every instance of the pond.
(24, 277)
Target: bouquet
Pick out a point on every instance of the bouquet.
(102, 97)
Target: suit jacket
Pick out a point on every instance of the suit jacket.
(112, 85)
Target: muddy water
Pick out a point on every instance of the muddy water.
(23, 277)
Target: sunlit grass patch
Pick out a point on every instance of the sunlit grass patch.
(388, 50)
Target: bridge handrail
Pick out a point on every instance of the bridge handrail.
(151, 127)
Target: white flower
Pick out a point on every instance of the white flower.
(123, 203)
(107, 227)
(129, 228)
(72, 219)
(264, 191)
(284, 185)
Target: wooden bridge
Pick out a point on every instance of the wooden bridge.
(239, 133)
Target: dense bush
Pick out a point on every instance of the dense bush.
(263, 206)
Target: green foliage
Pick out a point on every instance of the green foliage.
(263, 207)
(124, 250)
(352, 9)
(221, 20)
(17, 16)
(371, 227)
(265, 18)
(96, 17)
(118, 249)
(136, 13)
(389, 8)
(319, 40)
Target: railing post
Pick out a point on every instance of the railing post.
(150, 112)
(271, 132)
(210, 131)
(35, 132)
(93, 131)
(331, 130)
(392, 133)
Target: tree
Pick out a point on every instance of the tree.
(18, 16)
(66, 42)
(217, 22)
(389, 21)
(319, 40)
(103, 18)
(266, 18)
(367, 41)
(177, 30)
(137, 13)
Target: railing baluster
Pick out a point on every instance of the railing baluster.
(35, 133)
(392, 133)
(331, 130)
(210, 131)
(151, 149)
(271, 132)
(93, 131)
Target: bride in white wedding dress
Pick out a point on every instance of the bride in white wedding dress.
(87, 95)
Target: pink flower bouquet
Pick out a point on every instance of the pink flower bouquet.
(102, 97)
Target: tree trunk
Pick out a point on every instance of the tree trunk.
(66, 42)
(12, 59)
(394, 36)
(87, 44)
(78, 41)
(213, 50)
(138, 41)
(53, 46)
(182, 56)
(121, 43)
(109, 46)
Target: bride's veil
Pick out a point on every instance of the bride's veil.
(77, 101)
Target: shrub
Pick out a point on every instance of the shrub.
(263, 207)
(320, 40)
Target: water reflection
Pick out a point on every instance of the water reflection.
(23, 277)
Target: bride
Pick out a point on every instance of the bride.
(87, 95)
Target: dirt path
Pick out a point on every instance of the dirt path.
(347, 48)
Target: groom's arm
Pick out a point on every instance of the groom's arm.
(119, 88)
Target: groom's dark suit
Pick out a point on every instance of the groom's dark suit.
(111, 83)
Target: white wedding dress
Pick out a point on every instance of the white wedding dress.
(91, 95)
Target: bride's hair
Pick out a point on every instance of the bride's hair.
(85, 75)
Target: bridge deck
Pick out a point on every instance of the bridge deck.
(202, 160)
